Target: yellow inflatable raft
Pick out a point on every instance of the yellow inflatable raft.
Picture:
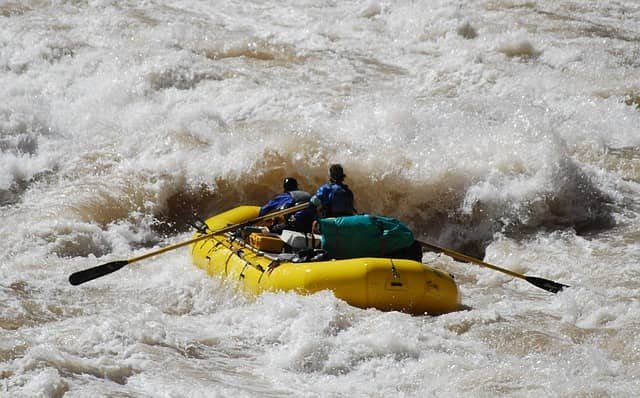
(382, 283)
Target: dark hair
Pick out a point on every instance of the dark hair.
(336, 173)
(290, 184)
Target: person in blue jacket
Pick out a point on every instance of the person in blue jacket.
(289, 197)
(299, 221)
(334, 199)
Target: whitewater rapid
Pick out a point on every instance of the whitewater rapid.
(506, 129)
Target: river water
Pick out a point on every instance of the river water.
(507, 129)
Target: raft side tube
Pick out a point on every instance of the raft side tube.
(382, 283)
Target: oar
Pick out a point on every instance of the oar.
(546, 284)
(96, 272)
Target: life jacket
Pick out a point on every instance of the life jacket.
(302, 219)
(283, 201)
(340, 201)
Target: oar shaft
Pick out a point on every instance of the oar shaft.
(546, 284)
(95, 272)
(223, 230)
(464, 257)
(165, 249)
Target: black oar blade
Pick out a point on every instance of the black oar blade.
(96, 272)
(546, 284)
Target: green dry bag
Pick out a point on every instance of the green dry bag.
(363, 235)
